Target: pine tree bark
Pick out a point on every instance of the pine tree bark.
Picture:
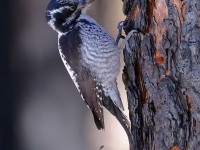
(162, 74)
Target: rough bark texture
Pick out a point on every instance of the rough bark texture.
(162, 75)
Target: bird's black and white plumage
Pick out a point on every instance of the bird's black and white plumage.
(90, 56)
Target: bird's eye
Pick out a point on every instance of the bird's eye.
(72, 7)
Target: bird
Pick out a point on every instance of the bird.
(91, 57)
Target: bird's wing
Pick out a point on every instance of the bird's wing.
(88, 87)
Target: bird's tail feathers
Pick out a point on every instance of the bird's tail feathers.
(121, 117)
(112, 91)
(99, 123)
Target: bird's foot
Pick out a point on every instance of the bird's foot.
(125, 43)
(133, 33)
(120, 27)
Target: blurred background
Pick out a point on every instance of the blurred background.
(40, 108)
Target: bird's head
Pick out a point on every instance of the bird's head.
(61, 13)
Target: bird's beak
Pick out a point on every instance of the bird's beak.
(83, 5)
(85, 2)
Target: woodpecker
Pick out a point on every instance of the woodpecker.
(91, 57)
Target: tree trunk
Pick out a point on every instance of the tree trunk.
(162, 74)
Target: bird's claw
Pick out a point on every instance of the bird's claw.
(134, 33)
(126, 39)
(120, 27)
